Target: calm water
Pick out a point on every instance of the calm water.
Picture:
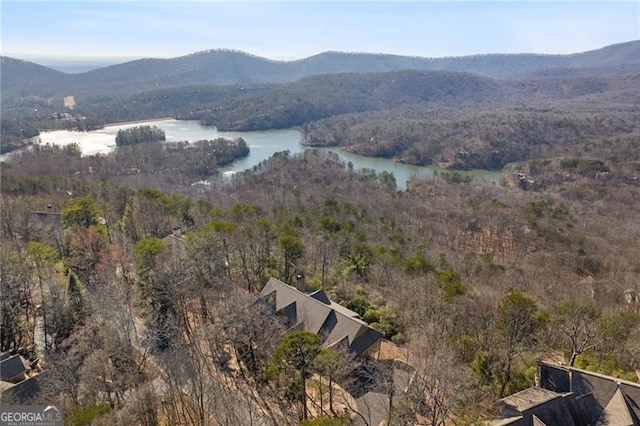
(262, 145)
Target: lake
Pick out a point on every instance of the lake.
(262, 145)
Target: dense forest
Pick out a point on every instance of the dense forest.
(139, 134)
(447, 262)
(145, 163)
(132, 288)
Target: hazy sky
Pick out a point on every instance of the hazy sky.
(291, 30)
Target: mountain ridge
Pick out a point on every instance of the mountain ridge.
(228, 66)
(615, 46)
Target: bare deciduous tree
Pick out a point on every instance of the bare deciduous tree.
(578, 322)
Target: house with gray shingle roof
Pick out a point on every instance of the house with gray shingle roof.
(567, 396)
(336, 325)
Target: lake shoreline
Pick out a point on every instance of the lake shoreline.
(147, 120)
(262, 145)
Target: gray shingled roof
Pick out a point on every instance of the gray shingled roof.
(538, 407)
(12, 367)
(317, 314)
(23, 392)
(618, 412)
(527, 399)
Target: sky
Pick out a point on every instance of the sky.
(297, 29)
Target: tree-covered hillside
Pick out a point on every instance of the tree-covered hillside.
(489, 140)
(443, 269)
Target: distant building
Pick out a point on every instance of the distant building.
(69, 102)
(174, 241)
(45, 226)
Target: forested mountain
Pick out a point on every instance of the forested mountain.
(23, 78)
(327, 95)
(421, 92)
(224, 67)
